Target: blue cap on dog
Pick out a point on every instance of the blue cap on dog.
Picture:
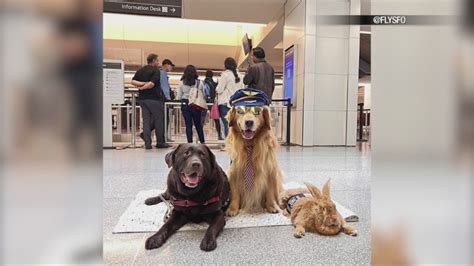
(249, 97)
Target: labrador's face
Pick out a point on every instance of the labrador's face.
(194, 163)
(250, 120)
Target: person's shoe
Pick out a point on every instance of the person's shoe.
(142, 136)
(148, 147)
(162, 146)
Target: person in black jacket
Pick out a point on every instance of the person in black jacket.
(260, 74)
(212, 97)
(151, 100)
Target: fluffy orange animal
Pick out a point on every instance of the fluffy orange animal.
(315, 214)
(254, 174)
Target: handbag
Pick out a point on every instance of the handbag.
(215, 111)
(196, 98)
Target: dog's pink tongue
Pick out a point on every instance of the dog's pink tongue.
(193, 180)
(248, 133)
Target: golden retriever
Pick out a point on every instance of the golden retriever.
(250, 128)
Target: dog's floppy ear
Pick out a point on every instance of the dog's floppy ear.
(326, 189)
(169, 158)
(314, 190)
(266, 118)
(231, 117)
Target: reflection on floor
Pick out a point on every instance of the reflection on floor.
(126, 172)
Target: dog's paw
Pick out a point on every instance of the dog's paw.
(152, 201)
(208, 244)
(353, 233)
(155, 241)
(232, 212)
(284, 198)
(272, 209)
(298, 234)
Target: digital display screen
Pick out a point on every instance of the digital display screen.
(288, 75)
(246, 43)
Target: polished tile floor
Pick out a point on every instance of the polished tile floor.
(126, 172)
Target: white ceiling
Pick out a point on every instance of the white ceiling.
(251, 11)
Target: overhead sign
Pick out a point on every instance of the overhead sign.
(163, 8)
(113, 81)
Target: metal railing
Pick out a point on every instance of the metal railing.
(287, 105)
(363, 123)
(130, 110)
(125, 129)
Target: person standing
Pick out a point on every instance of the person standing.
(151, 100)
(211, 99)
(260, 74)
(229, 82)
(191, 116)
(166, 66)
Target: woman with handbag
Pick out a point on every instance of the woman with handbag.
(229, 82)
(191, 94)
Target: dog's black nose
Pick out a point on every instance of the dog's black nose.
(196, 164)
(249, 123)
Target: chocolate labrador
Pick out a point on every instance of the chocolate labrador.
(199, 191)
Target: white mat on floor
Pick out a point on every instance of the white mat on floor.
(139, 217)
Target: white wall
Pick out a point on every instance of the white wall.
(367, 96)
(326, 72)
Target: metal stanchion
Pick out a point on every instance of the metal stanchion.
(361, 123)
(288, 122)
(134, 119)
(166, 121)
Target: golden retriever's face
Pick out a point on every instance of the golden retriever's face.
(249, 120)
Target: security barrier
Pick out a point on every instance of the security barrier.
(363, 124)
(127, 123)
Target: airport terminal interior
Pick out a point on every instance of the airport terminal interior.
(320, 116)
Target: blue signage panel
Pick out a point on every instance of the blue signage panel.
(289, 73)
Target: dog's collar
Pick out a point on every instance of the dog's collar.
(190, 203)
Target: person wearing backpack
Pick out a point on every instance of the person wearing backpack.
(229, 82)
(191, 114)
(211, 97)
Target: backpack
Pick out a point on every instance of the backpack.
(207, 91)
